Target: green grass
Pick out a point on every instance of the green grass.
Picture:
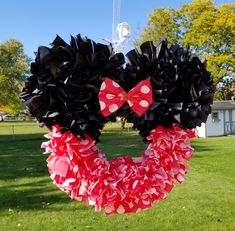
(29, 201)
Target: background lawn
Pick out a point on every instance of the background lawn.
(30, 201)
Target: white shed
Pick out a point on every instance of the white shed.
(221, 121)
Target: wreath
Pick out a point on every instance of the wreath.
(76, 88)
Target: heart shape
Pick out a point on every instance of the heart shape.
(65, 93)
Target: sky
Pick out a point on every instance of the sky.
(36, 23)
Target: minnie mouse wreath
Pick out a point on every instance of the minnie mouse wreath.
(75, 89)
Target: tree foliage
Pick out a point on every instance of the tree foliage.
(161, 25)
(13, 71)
(205, 29)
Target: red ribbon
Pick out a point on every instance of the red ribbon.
(112, 97)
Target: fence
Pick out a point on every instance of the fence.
(10, 131)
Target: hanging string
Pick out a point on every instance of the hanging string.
(116, 18)
(120, 30)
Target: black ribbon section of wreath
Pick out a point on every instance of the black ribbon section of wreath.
(66, 78)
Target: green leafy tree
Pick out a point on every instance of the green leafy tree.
(13, 70)
(161, 25)
(205, 29)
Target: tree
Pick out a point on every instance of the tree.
(205, 29)
(13, 70)
(226, 90)
(161, 25)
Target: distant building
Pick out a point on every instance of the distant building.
(221, 121)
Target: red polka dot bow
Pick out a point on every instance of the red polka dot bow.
(112, 97)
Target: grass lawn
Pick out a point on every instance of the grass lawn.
(29, 201)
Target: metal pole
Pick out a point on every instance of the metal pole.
(13, 132)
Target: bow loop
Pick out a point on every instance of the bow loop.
(112, 97)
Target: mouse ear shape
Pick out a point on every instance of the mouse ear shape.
(182, 87)
(65, 81)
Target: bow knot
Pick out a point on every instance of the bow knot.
(126, 96)
(112, 97)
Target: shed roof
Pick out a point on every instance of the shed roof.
(223, 104)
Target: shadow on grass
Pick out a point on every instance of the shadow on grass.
(24, 180)
(22, 157)
(201, 148)
(34, 196)
(22, 167)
